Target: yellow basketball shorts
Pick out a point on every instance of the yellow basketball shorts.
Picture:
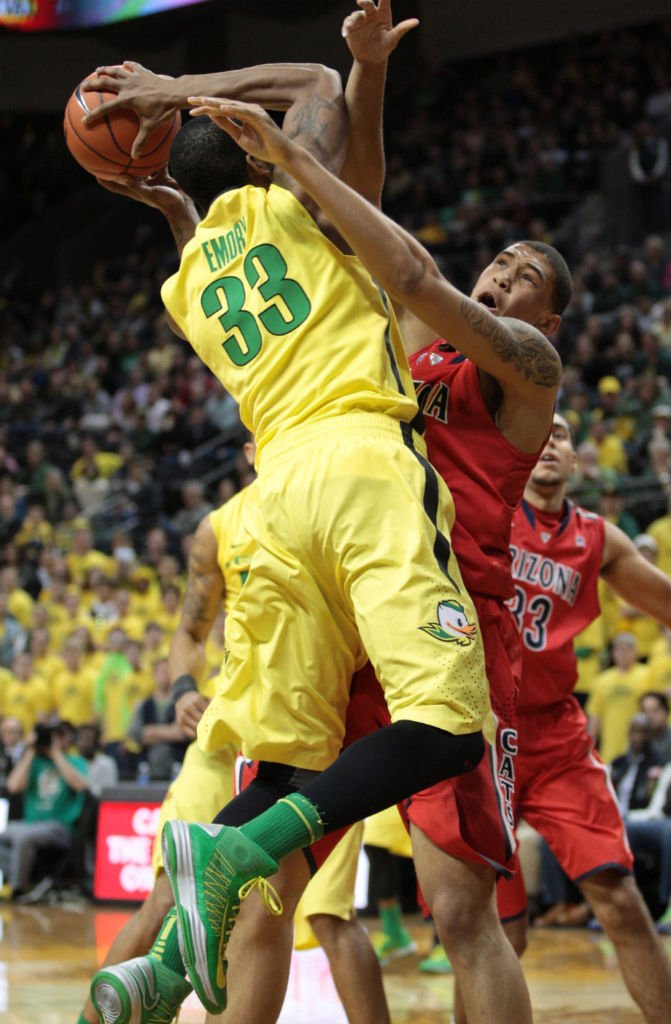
(387, 830)
(353, 560)
(331, 890)
(204, 785)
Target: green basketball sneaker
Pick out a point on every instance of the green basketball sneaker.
(211, 869)
(139, 991)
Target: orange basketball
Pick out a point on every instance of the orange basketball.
(104, 148)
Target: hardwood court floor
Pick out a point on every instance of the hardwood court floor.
(48, 954)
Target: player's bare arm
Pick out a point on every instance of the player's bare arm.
(162, 193)
(633, 578)
(517, 355)
(154, 98)
(203, 595)
(371, 37)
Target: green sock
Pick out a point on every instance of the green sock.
(289, 825)
(392, 922)
(81, 1019)
(166, 947)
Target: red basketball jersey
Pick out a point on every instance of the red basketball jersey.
(486, 474)
(556, 563)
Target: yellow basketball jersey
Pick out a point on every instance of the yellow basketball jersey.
(234, 545)
(294, 329)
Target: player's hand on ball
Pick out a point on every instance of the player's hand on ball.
(160, 190)
(189, 711)
(370, 32)
(138, 89)
(251, 127)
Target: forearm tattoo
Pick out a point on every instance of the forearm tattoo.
(315, 126)
(201, 602)
(526, 348)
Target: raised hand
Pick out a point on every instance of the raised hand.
(137, 89)
(159, 190)
(370, 33)
(248, 124)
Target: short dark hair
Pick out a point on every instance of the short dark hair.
(661, 698)
(205, 161)
(563, 282)
(569, 425)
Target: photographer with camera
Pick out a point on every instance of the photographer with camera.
(53, 783)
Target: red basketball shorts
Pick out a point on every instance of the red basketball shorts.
(564, 792)
(472, 816)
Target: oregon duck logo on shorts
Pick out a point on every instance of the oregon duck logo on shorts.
(453, 626)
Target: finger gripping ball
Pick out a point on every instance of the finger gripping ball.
(104, 148)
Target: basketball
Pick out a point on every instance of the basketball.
(104, 148)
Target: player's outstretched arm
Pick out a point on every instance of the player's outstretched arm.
(513, 352)
(154, 97)
(634, 578)
(163, 193)
(371, 37)
(203, 595)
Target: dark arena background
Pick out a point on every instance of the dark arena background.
(502, 122)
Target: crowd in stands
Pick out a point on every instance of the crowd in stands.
(115, 440)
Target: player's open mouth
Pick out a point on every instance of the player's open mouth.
(488, 300)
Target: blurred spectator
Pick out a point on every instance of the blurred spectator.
(658, 263)
(169, 614)
(101, 773)
(649, 835)
(91, 490)
(10, 515)
(12, 746)
(45, 663)
(25, 695)
(614, 698)
(634, 774)
(13, 636)
(110, 695)
(72, 685)
(611, 451)
(589, 479)
(34, 476)
(612, 508)
(101, 770)
(156, 545)
(221, 409)
(655, 706)
(19, 602)
(106, 463)
(648, 164)
(155, 642)
(153, 734)
(659, 431)
(194, 508)
(83, 556)
(660, 531)
(53, 783)
(629, 619)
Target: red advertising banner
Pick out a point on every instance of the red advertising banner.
(126, 831)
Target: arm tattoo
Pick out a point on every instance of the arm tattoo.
(201, 599)
(196, 602)
(518, 343)
(316, 126)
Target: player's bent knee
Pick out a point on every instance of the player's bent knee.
(472, 749)
(616, 902)
(461, 920)
(517, 934)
